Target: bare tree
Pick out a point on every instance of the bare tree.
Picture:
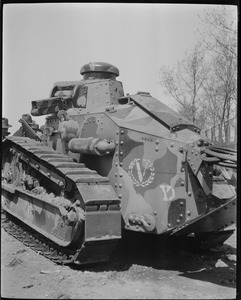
(185, 83)
(220, 40)
(220, 35)
(204, 82)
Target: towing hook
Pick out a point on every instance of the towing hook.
(146, 220)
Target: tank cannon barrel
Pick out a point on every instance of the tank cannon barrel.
(50, 105)
(94, 146)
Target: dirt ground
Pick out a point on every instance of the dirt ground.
(139, 269)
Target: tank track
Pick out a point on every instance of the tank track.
(94, 215)
(37, 242)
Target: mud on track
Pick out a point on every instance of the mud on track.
(139, 268)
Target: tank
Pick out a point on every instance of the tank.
(106, 163)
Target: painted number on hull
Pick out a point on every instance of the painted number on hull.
(141, 174)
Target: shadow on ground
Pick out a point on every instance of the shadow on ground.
(183, 254)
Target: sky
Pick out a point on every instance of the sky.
(45, 43)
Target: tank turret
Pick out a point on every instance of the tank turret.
(98, 86)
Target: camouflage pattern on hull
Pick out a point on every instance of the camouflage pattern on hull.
(160, 188)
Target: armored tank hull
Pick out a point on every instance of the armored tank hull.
(107, 162)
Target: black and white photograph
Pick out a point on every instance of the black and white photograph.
(119, 151)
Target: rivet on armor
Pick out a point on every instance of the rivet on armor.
(117, 142)
(48, 174)
(189, 193)
(121, 175)
(120, 196)
(181, 216)
(178, 221)
(181, 203)
(116, 164)
(194, 169)
(121, 142)
(121, 153)
(121, 164)
(189, 159)
(116, 184)
(156, 149)
(172, 145)
(188, 213)
(37, 167)
(182, 183)
(122, 131)
(182, 169)
(191, 163)
(117, 132)
(155, 212)
(169, 225)
(157, 142)
(120, 185)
